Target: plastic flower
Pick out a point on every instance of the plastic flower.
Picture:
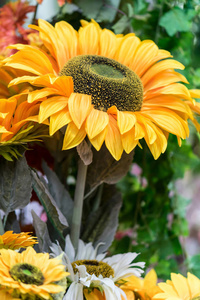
(13, 241)
(31, 275)
(92, 275)
(111, 88)
(144, 288)
(180, 288)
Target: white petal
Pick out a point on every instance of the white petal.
(69, 249)
(74, 292)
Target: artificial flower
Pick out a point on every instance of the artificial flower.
(180, 288)
(144, 288)
(111, 88)
(92, 275)
(13, 241)
(31, 274)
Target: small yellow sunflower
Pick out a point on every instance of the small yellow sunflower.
(111, 88)
(144, 288)
(13, 241)
(180, 288)
(31, 274)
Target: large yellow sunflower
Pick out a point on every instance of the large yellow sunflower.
(10, 240)
(111, 88)
(180, 288)
(31, 274)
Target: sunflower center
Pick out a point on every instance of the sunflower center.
(94, 267)
(106, 80)
(27, 273)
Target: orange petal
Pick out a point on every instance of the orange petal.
(96, 122)
(73, 136)
(113, 139)
(79, 107)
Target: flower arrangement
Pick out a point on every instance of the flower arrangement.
(74, 105)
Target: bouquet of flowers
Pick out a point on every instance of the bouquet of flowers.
(75, 104)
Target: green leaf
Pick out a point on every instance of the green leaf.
(193, 265)
(101, 224)
(176, 20)
(55, 216)
(42, 233)
(121, 25)
(15, 184)
(59, 193)
(107, 170)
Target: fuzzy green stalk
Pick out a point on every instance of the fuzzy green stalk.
(78, 204)
(1, 227)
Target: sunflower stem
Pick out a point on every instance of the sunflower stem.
(78, 204)
(1, 227)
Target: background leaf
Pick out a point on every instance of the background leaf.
(15, 184)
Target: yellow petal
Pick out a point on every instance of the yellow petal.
(125, 121)
(96, 122)
(98, 140)
(113, 139)
(151, 276)
(32, 60)
(195, 93)
(79, 107)
(169, 121)
(164, 78)
(59, 120)
(73, 136)
(51, 106)
(128, 46)
(194, 285)
(67, 34)
(159, 67)
(86, 35)
(128, 140)
(108, 43)
(145, 52)
(180, 284)
(38, 94)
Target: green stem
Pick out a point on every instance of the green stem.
(1, 227)
(78, 204)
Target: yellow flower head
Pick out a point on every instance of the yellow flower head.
(180, 288)
(31, 274)
(13, 241)
(111, 88)
(144, 288)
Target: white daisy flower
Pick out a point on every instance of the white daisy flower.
(89, 270)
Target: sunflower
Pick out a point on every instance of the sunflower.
(6, 296)
(144, 288)
(18, 118)
(92, 275)
(180, 288)
(31, 274)
(13, 241)
(111, 88)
